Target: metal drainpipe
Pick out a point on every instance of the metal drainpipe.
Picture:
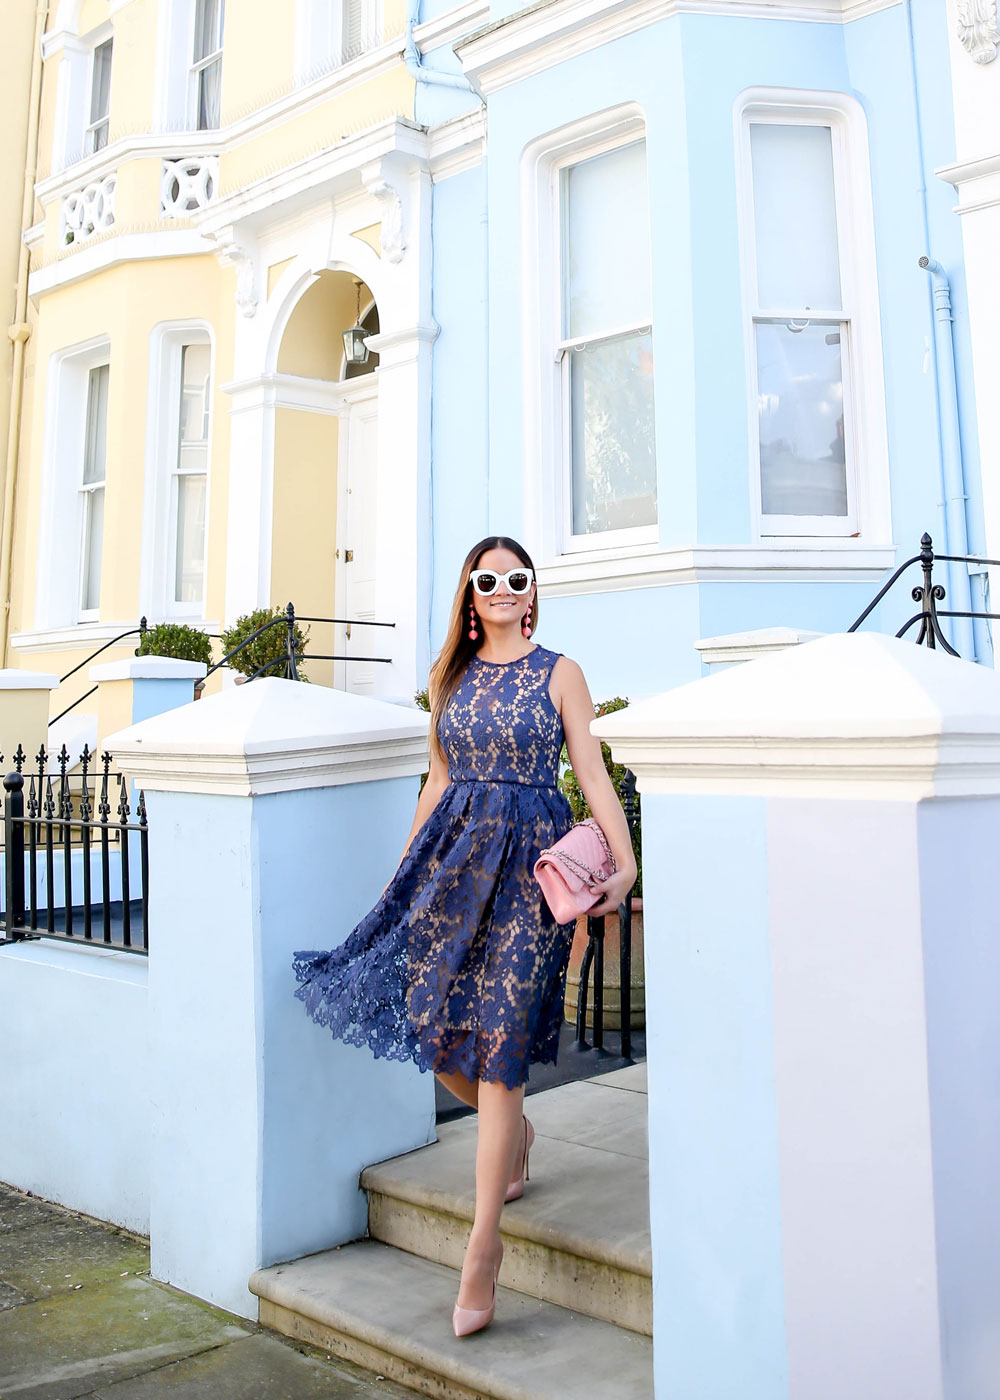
(19, 330)
(414, 64)
(951, 455)
(949, 431)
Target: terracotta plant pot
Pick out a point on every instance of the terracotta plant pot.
(612, 973)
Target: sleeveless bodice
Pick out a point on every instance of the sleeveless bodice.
(500, 724)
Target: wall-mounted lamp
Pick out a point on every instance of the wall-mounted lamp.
(356, 352)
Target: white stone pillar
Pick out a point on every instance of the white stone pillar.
(277, 813)
(823, 1026)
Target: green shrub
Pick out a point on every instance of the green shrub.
(176, 640)
(616, 772)
(269, 649)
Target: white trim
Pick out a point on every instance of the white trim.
(158, 513)
(976, 181)
(543, 35)
(13, 678)
(296, 392)
(866, 435)
(110, 252)
(59, 558)
(772, 562)
(546, 445)
(449, 28)
(147, 668)
(88, 636)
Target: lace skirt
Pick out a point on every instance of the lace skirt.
(460, 965)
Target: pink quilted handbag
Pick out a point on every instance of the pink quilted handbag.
(572, 871)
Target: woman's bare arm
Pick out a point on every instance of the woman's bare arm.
(584, 749)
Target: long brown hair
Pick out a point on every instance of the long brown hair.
(457, 650)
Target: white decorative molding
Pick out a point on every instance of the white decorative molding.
(540, 36)
(447, 29)
(240, 255)
(187, 185)
(847, 716)
(296, 392)
(977, 29)
(391, 240)
(606, 572)
(86, 636)
(110, 252)
(89, 210)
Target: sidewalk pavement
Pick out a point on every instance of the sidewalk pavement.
(80, 1316)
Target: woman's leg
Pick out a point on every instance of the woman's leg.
(500, 1139)
(465, 1089)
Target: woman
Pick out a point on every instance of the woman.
(461, 966)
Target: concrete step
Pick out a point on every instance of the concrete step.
(390, 1312)
(578, 1237)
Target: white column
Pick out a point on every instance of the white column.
(277, 813)
(823, 1029)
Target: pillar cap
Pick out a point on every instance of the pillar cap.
(144, 668)
(11, 678)
(272, 736)
(849, 715)
(748, 646)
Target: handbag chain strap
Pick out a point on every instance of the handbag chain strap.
(594, 874)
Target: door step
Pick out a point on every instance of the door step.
(390, 1312)
(579, 1236)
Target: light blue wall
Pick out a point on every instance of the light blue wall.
(686, 74)
(962, 972)
(154, 697)
(715, 1203)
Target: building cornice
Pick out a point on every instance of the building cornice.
(450, 27)
(599, 571)
(100, 254)
(976, 181)
(547, 33)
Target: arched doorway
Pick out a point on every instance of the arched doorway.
(325, 459)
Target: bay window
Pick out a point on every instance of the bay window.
(206, 68)
(96, 137)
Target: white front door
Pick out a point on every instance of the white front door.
(355, 573)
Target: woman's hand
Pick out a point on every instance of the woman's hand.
(613, 891)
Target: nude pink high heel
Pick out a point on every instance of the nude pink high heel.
(516, 1188)
(464, 1321)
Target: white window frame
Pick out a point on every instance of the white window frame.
(196, 66)
(94, 126)
(159, 531)
(59, 571)
(87, 491)
(865, 438)
(547, 443)
(71, 140)
(320, 39)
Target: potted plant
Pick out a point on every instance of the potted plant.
(612, 939)
(181, 642)
(269, 650)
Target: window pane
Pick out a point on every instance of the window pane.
(96, 439)
(189, 571)
(93, 544)
(801, 418)
(606, 242)
(195, 364)
(208, 28)
(613, 448)
(795, 217)
(100, 91)
(209, 96)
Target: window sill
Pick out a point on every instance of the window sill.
(609, 571)
(87, 634)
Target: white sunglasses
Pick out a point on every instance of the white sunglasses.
(487, 581)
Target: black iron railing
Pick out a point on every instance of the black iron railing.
(59, 839)
(928, 594)
(293, 651)
(139, 631)
(592, 965)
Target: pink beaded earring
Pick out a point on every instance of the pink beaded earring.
(473, 634)
(526, 622)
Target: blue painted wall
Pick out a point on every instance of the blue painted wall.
(686, 73)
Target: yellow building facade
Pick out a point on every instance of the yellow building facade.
(221, 191)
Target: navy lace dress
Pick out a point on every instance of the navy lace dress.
(461, 965)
